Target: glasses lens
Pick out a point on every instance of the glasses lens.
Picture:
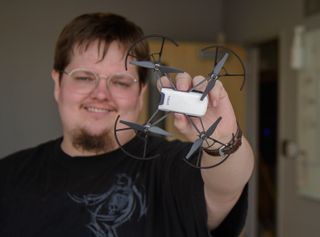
(123, 85)
(83, 81)
(120, 85)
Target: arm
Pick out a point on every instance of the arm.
(223, 184)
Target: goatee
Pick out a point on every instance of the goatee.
(98, 143)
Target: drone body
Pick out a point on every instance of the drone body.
(187, 103)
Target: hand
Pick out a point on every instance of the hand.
(218, 105)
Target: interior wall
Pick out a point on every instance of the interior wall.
(249, 21)
(29, 30)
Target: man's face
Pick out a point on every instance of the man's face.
(94, 113)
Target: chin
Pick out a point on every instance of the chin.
(98, 132)
(97, 128)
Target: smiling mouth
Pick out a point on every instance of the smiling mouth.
(98, 110)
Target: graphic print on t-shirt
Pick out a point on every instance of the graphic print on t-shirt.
(111, 209)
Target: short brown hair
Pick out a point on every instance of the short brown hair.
(104, 27)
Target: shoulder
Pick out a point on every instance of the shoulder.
(26, 154)
(22, 166)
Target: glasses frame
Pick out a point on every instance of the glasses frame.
(99, 77)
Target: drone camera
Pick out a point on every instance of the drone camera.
(188, 103)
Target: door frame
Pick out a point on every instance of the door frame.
(252, 92)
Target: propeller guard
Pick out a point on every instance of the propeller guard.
(152, 54)
(216, 52)
(142, 152)
(196, 159)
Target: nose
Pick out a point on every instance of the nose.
(101, 91)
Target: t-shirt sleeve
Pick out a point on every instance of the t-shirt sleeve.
(235, 220)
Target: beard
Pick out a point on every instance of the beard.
(96, 143)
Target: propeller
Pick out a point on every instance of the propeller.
(146, 128)
(157, 130)
(156, 66)
(203, 136)
(214, 75)
(134, 126)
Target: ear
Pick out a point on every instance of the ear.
(55, 75)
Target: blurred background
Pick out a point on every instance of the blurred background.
(278, 109)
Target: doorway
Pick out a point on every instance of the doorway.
(268, 72)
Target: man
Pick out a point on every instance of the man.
(82, 184)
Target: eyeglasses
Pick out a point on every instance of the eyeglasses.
(84, 81)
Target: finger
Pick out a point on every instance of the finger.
(182, 123)
(217, 93)
(183, 81)
(163, 82)
(199, 83)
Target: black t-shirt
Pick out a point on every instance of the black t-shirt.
(45, 192)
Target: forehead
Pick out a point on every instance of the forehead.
(98, 51)
(101, 57)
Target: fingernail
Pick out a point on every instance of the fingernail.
(177, 116)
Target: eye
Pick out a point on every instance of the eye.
(83, 76)
(121, 81)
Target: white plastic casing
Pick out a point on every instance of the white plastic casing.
(188, 103)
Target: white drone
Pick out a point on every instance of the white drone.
(192, 103)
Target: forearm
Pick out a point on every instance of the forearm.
(223, 184)
(228, 179)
